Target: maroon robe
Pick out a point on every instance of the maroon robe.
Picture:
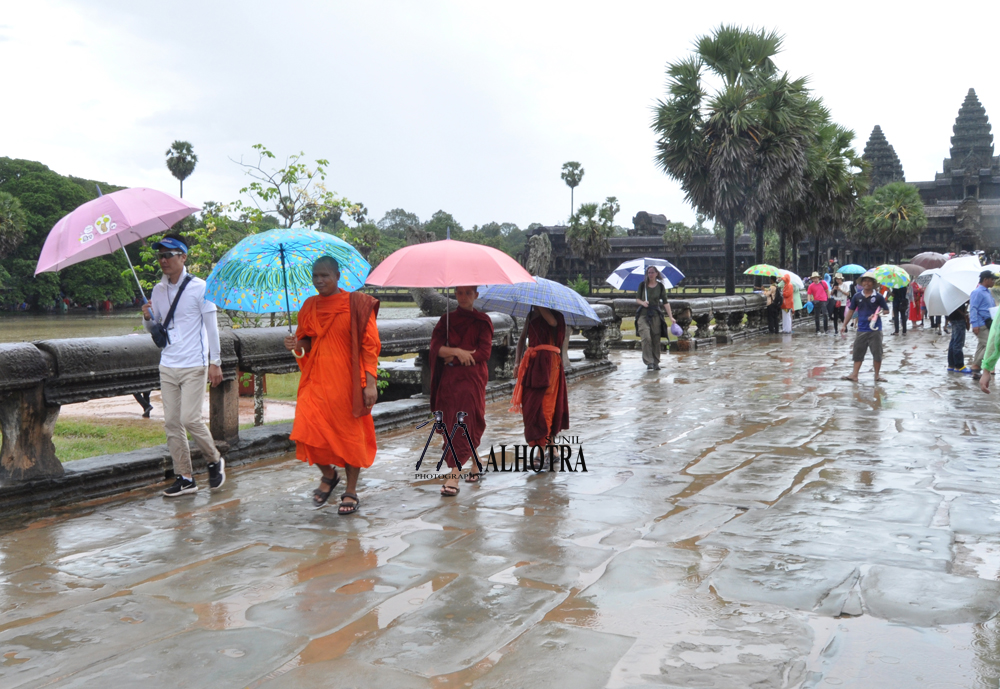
(544, 399)
(455, 387)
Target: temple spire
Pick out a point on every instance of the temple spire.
(885, 165)
(972, 143)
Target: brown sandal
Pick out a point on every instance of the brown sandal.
(350, 507)
(320, 496)
(449, 491)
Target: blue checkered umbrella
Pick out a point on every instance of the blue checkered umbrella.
(272, 271)
(630, 274)
(517, 300)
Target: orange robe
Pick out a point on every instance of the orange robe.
(326, 430)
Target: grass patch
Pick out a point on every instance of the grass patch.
(75, 439)
(283, 386)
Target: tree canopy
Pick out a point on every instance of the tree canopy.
(43, 197)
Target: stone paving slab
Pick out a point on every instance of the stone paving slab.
(747, 520)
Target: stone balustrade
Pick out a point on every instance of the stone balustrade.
(36, 379)
(735, 317)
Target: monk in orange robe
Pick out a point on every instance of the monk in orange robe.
(337, 346)
(461, 345)
(540, 393)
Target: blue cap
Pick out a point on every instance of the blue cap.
(169, 243)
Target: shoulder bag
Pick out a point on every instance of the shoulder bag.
(159, 332)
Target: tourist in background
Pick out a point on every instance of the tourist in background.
(191, 358)
(980, 304)
(900, 308)
(773, 306)
(541, 360)
(959, 322)
(787, 302)
(460, 351)
(337, 345)
(869, 305)
(915, 293)
(649, 323)
(819, 293)
(840, 296)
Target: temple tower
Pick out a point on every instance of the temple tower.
(885, 165)
(971, 151)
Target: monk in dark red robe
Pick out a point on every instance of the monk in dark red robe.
(460, 349)
(337, 347)
(540, 393)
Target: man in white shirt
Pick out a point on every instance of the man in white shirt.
(192, 355)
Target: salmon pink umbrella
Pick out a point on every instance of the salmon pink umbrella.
(109, 222)
(447, 263)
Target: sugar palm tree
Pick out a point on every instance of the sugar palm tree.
(893, 216)
(588, 237)
(572, 174)
(832, 181)
(181, 161)
(733, 151)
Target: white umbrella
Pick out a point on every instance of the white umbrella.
(925, 277)
(942, 297)
(963, 272)
(796, 280)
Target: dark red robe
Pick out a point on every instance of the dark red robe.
(455, 387)
(544, 399)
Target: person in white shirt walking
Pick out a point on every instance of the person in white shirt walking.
(191, 355)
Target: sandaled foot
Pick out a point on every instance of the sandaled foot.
(473, 477)
(880, 379)
(448, 491)
(853, 380)
(348, 507)
(321, 496)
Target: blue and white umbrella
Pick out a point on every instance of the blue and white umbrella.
(272, 271)
(517, 300)
(630, 274)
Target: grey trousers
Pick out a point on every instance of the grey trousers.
(649, 331)
(183, 394)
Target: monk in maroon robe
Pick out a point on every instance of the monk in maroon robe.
(540, 394)
(460, 350)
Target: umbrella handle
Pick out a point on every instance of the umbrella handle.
(142, 292)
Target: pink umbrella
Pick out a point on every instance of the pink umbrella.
(447, 263)
(107, 223)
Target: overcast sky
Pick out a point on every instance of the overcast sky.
(469, 107)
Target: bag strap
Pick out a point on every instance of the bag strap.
(173, 306)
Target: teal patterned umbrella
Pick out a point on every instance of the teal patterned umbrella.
(272, 271)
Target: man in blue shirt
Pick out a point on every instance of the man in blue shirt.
(870, 305)
(980, 303)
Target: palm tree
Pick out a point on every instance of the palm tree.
(832, 181)
(588, 237)
(13, 223)
(676, 236)
(735, 151)
(572, 174)
(181, 161)
(893, 216)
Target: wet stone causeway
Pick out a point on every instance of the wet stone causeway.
(747, 519)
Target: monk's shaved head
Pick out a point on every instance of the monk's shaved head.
(328, 261)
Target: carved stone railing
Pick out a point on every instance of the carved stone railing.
(36, 379)
(727, 312)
